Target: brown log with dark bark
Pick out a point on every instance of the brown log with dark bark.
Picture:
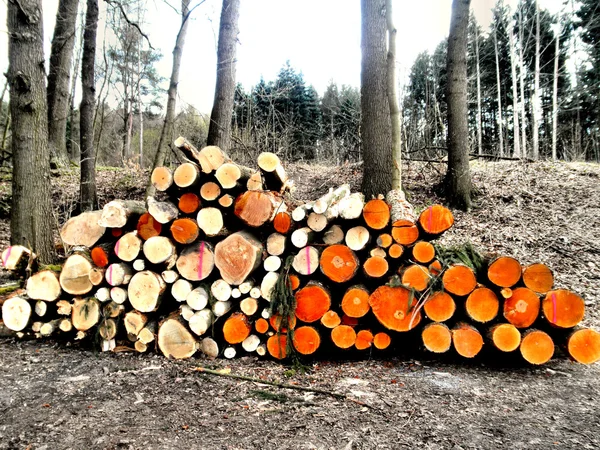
(275, 176)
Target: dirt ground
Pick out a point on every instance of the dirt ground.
(59, 396)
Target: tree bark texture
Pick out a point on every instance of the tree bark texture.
(59, 73)
(219, 132)
(375, 121)
(88, 199)
(458, 176)
(392, 94)
(31, 214)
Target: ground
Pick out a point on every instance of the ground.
(58, 396)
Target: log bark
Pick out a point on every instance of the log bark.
(274, 175)
(116, 213)
(162, 212)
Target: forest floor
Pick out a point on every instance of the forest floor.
(59, 396)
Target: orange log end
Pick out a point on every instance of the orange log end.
(343, 336)
(440, 306)
(522, 307)
(189, 203)
(436, 219)
(435, 268)
(282, 222)
(538, 277)
(364, 340)
(467, 341)
(505, 337)
(537, 347)
(294, 282)
(393, 308)
(236, 328)
(312, 301)
(423, 252)
(355, 302)
(459, 280)
(416, 277)
(331, 319)
(381, 341)
(384, 240)
(584, 346)
(276, 346)
(375, 267)
(563, 308)
(306, 340)
(405, 235)
(504, 271)
(376, 214)
(147, 227)
(99, 257)
(261, 326)
(338, 263)
(482, 305)
(184, 230)
(395, 251)
(437, 337)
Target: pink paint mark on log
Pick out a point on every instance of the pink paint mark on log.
(109, 277)
(553, 308)
(308, 259)
(4, 261)
(430, 224)
(200, 260)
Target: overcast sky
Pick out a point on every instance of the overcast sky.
(320, 38)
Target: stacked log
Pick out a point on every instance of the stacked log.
(223, 261)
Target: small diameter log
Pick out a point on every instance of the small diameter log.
(364, 340)
(274, 175)
(255, 208)
(175, 341)
(277, 346)
(249, 306)
(189, 203)
(538, 277)
(107, 329)
(505, 337)
(229, 175)
(440, 306)
(400, 209)
(272, 263)
(210, 221)
(251, 343)
(75, 275)
(584, 346)
(186, 175)
(393, 308)
(161, 178)
(211, 158)
(395, 251)
(255, 183)
(148, 333)
(197, 299)
(112, 310)
(282, 223)
(331, 319)
(40, 308)
(255, 292)
(16, 313)
(417, 277)
(147, 227)
(185, 230)
(300, 212)
(343, 336)
(246, 286)
(423, 252)
(221, 290)
(522, 307)
(351, 207)
(436, 219)
(459, 280)
(145, 291)
(65, 325)
(201, 321)
(170, 276)
(267, 285)
(467, 341)
(281, 324)
(163, 212)
(376, 214)
(405, 234)
(115, 214)
(236, 328)
(339, 263)
(196, 262)
(378, 251)
(118, 274)
(237, 256)
(226, 200)
(181, 289)
(482, 305)
(536, 347)
(563, 308)
(49, 328)
(381, 341)
(312, 301)
(219, 309)
(306, 261)
(209, 347)
(17, 257)
(317, 222)
(357, 238)
(306, 340)
(186, 312)
(261, 325)
(118, 295)
(102, 294)
(63, 308)
(159, 249)
(210, 191)
(384, 240)
(140, 347)
(85, 313)
(135, 321)
(128, 247)
(504, 271)
(436, 337)
(97, 276)
(355, 302)
(43, 285)
(276, 244)
(435, 268)
(83, 229)
(302, 237)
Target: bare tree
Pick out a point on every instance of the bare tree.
(535, 101)
(88, 198)
(513, 70)
(522, 70)
(479, 137)
(499, 95)
(393, 99)
(458, 176)
(31, 213)
(219, 132)
(555, 93)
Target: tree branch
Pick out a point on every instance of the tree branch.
(133, 24)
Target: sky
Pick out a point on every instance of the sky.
(320, 38)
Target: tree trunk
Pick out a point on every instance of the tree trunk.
(88, 198)
(500, 130)
(555, 97)
(219, 132)
(535, 103)
(522, 79)
(375, 120)
(513, 69)
(69, 137)
(479, 137)
(393, 99)
(59, 72)
(458, 176)
(31, 214)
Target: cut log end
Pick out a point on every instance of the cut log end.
(584, 346)
(437, 338)
(537, 347)
(467, 341)
(343, 336)
(563, 308)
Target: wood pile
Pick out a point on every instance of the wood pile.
(225, 262)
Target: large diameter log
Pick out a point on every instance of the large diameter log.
(505, 337)
(343, 336)
(145, 291)
(482, 305)
(357, 238)
(467, 341)
(312, 301)
(537, 347)
(459, 280)
(522, 307)
(436, 337)
(351, 207)
(364, 340)
(338, 263)
(159, 249)
(189, 203)
(355, 302)
(417, 277)
(148, 227)
(376, 214)
(282, 223)
(275, 177)
(83, 229)
(210, 191)
(306, 261)
(237, 256)
(333, 235)
(197, 299)
(436, 219)
(538, 277)
(163, 212)
(16, 313)
(85, 313)
(230, 174)
(440, 306)
(584, 346)
(161, 178)
(175, 341)
(504, 271)
(423, 252)
(184, 230)
(118, 274)
(236, 328)
(393, 308)
(115, 214)
(186, 175)
(44, 285)
(128, 246)
(75, 275)
(196, 262)
(201, 321)
(563, 308)
(302, 237)
(134, 322)
(255, 208)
